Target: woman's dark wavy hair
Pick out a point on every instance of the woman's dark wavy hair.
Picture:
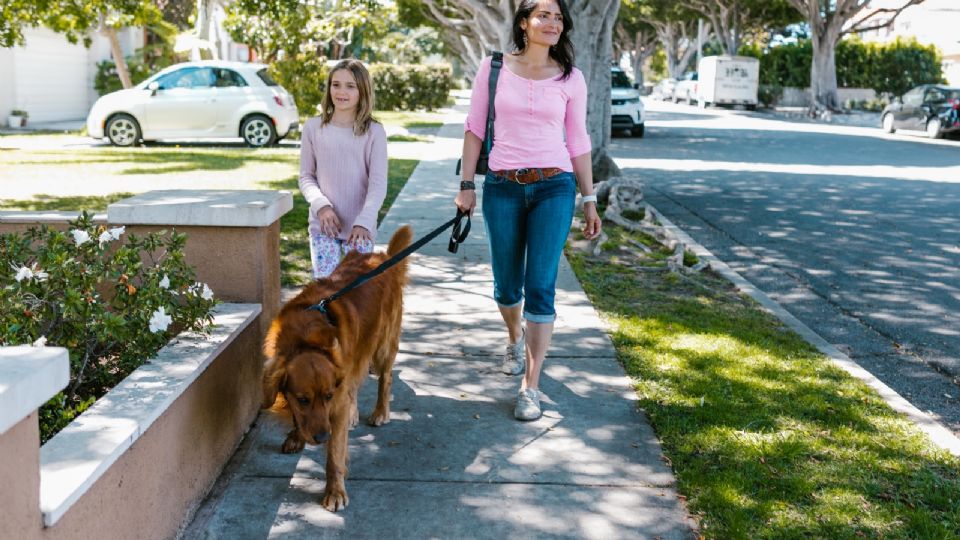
(562, 52)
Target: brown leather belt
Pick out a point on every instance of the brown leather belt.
(529, 176)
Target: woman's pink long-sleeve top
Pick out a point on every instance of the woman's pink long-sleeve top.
(538, 123)
(345, 171)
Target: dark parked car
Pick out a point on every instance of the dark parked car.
(930, 108)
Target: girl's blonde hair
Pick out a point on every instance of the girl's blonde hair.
(365, 104)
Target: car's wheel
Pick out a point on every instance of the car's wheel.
(123, 130)
(258, 131)
(689, 99)
(888, 123)
(933, 128)
(637, 131)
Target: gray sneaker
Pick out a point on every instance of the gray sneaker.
(528, 405)
(514, 358)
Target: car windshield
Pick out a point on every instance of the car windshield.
(620, 80)
(940, 94)
(266, 78)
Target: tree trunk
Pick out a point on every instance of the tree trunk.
(205, 10)
(823, 75)
(593, 44)
(119, 61)
(677, 46)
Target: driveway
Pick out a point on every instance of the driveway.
(855, 232)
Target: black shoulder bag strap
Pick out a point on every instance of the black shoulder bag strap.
(495, 64)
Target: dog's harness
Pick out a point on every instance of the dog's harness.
(457, 237)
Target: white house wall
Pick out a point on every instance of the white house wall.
(51, 78)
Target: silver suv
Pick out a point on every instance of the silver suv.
(626, 109)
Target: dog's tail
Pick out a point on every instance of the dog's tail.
(400, 240)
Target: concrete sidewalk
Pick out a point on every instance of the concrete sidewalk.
(452, 462)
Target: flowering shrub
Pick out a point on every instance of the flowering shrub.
(111, 298)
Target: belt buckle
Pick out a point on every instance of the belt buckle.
(520, 173)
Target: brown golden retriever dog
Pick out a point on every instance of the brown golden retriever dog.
(316, 362)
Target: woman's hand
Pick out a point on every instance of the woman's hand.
(329, 222)
(466, 200)
(358, 234)
(591, 221)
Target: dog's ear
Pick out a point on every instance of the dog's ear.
(274, 379)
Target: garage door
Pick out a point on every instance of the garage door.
(50, 77)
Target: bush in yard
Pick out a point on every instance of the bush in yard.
(111, 302)
(769, 94)
(890, 68)
(411, 87)
(303, 75)
(396, 87)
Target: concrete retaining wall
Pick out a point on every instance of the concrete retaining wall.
(800, 97)
(140, 460)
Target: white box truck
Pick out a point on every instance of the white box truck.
(728, 80)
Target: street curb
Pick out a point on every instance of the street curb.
(938, 433)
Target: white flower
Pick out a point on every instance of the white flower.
(203, 290)
(116, 232)
(41, 342)
(165, 282)
(23, 273)
(80, 237)
(29, 272)
(160, 320)
(104, 237)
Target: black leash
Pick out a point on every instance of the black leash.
(457, 236)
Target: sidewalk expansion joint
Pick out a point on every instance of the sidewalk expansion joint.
(631, 485)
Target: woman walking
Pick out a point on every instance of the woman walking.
(541, 154)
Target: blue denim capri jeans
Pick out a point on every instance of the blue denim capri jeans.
(527, 227)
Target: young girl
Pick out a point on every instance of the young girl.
(343, 169)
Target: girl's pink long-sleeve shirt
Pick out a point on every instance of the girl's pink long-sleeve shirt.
(538, 123)
(345, 171)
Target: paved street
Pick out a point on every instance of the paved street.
(855, 232)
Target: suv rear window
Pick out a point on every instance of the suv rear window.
(266, 78)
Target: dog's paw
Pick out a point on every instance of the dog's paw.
(354, 418)
(378, 418)
(335, 498)
(292, 445)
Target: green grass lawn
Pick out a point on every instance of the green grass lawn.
(767, 438)
(410, 119)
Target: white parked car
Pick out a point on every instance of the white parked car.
(197, 99)
(626, 109)
(686, 88)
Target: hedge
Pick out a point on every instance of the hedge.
(396, 87)
(890, 68)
